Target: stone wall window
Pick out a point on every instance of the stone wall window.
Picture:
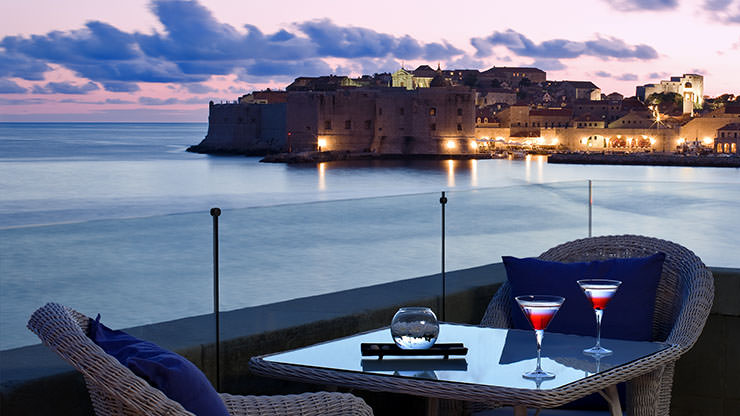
(348, 124)
(368, 124)
(433, 111)
(459, 127)
(327, 124)
(433, 126)
(459, 111)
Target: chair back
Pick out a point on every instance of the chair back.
(683, 298)
(113, 388)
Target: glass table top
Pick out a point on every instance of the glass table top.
(496, 357)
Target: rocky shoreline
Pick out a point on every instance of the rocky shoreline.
(650, 159)
(654, 159)
(209, 150)
(331, 156)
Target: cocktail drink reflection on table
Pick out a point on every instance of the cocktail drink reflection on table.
(539, 310)
(599, 292)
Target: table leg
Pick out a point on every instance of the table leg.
(612, 397)
(432, 406)
(520, 411)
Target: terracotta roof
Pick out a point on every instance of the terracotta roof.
(424, 71)
(581, 84)
(731, 126)
(512, 68)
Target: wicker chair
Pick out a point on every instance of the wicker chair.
(683, 301)
(115, 390)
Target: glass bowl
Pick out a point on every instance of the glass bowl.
(414, 328)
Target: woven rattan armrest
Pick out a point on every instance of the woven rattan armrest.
(306, 404)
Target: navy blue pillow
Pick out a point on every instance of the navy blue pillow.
(172, 374)
(628, 315)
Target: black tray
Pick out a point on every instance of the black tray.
(379, 349)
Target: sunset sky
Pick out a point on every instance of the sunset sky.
(139, 60)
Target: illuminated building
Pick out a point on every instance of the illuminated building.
(689, 86)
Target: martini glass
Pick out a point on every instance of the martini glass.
(539, 310)
(599, 292)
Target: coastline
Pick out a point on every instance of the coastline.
(331, 156)
(649, 159)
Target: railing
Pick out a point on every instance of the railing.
(145, 270)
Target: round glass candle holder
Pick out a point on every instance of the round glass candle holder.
(414, 328)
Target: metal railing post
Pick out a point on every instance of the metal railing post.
(215, 213)
(443, 202)
(590, 206)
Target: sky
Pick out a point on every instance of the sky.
(164, 60)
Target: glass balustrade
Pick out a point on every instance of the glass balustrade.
(347, 263)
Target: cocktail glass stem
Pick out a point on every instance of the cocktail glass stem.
(539, 333)
(599, 314)
(598, 350)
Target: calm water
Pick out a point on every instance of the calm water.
(114, 218)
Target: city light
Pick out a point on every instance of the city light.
(322, 142)
(681, 140)
(451, 144)
(652, 141)
(555, 141)
(473, 144)
(708, 140)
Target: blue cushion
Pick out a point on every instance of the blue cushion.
(172, 374)
(628, 315)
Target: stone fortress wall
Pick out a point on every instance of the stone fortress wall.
(245, 128)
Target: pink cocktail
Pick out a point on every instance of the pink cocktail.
(599, 292)
(539, 310)
(539, 315)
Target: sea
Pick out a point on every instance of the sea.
(115, 218)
